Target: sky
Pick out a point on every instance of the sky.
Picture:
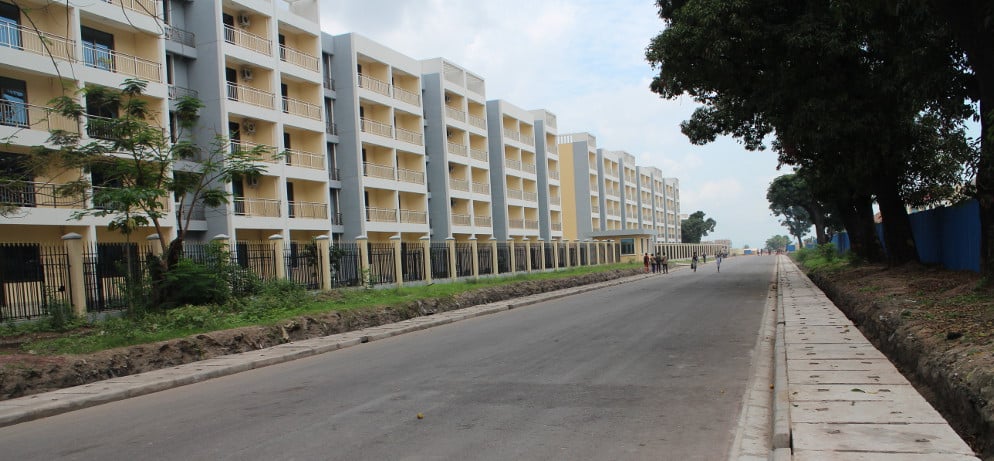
(583, 60)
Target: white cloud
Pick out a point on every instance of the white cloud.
(584, 61)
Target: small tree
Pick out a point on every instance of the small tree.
(695, 227)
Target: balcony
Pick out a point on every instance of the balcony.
(374, 214)
(121, 63)
(197, 212)
(22, 115)
(301, 108)
(410, 136)
(304, 159)
(479, 154)
(334, 174)
(268, 153)
(374, 85)
(459, 184)
(455, 114)
(517, 136)
(37, 42)
(556, 226)
(553, 174)
(176, 92)
(257, 207)
(461, 220)
(595, 208)
(531, 224)
(100, 127)
(183, 37)
(336, 219)
(481, 188)
(529, 196)
(555, 200)
(413, 217)
(378, 128)
(516, 223)
(478, 122)
(374, 170)
(39, 195)
(514, 194)
(329, 83)
(512, 164)
(248, 41)
(146, 7)
(331, 128)
(250, 95)
(483, 221)
(298, 58)
(409, 97)
(410, 176)
(528, 167)
(458, 149)
(308, 210)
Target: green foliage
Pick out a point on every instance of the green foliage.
(777, 242)
(695, 227)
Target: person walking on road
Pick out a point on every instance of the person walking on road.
(665, 264)
(645, 262)
(693, 262)
(717, 260)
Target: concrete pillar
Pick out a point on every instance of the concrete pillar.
(77, 280)
(528, 256)
(555, 254)
(510, 249)
(451, 242)
(541, 255)
(278, 255)
(398, 260)
(426, 253)
(493, 256)
(476, 258)
(323, 244)
(362, 243)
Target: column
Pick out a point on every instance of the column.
(77, 280)
(323, 244)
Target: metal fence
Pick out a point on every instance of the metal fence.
(464, 259)
(257, 257)
(439, 260)
(503, 258)
(486, 257)
(561, 249)
(584, 258)
(536, 255)
(303, 264)
(550, 256)
(33, 279)
(381, 264)
(572, 256)
(412, 261)
(110, 271)
(345, 265)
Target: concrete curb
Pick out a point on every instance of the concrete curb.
(32, 407)
(781, 399)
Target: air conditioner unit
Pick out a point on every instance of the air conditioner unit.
(244, 19)
(249, 126)
(247, 74)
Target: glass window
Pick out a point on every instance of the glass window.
(13, 102)
(628, 246)
(10, 22)
(98, 48)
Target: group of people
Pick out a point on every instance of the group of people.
(658, 263)
(717, 259)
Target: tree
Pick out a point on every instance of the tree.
(841, 93)
(777, 243)
(134, 170)
(797, 222)
(788, 191)
(695, 227)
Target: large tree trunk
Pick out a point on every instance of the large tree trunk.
(857, 217)
(899, 241)
(818, 220)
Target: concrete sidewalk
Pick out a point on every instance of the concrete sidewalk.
(836, 396)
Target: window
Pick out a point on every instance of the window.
(98, 48)
(20, 191)
(13, 103)
(628, 246)
(10, 26)
(20, 263)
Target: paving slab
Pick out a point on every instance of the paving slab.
(863, 412)
(808, 455)
(860, 364)
(928, 439)
(855, 392)
(883, 375)
(823, 334)
(833, 351)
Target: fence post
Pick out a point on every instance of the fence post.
(528, 256)
(398, 260)
(476, 258)
(493, 257)
(614, 252)
(362, 243)
(511, 258)
(426, 255)
(279, 255)
(77, 280)
(555, 254)
(541, 255)
(451, 242)
(323, 244)
(566, 255)
(590, 261)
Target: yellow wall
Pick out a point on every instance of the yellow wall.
(568, 183)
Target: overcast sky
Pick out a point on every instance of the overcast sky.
(583, 60)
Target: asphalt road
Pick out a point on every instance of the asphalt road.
(654, 370)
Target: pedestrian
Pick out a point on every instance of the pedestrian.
(705, 256)
(645, 262)
(717, 260)
(693, 262)
(665, 264)
(658, 261)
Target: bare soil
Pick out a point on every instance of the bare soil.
(937, 326)
(23, 373)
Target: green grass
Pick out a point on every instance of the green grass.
(278, 303)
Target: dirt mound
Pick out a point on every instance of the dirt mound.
(24, 374)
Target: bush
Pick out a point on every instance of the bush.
(192, 283)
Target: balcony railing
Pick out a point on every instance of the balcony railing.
(298, 58)
(461, 220)
(331, 128)
(301, 108)
(336, 219)
(268, 153)
(409, 97)
(100, 127)
(529, 196)
(308, 210)
(595, 208)
(555, 200)
(378, 128)
(512, 134)
(483, 221)
(458, 149)
(257, 207)
(410, 136)
(413, 217)
(478, 122)
(556, 226)
(410, 176)
(374, 85)
(146, 7)
(479, 154)
(22, 115)
(249, 95)
(531, 224)
(456, 114)
(329, 83)
(183, 37)
(38, 195)
(37, 42)
(197, 212)
(514, 193)
(459, 184)
(481, 188)
(528, 167)
(512, 164)
(122, 63)
(247, 40)
(374, 170)
(516, 223)
(304, 159)
(176, 92)
(381, 214)
(553, 174)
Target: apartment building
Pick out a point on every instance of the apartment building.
(609, 178)
(673, 215)
(331, 139)
(52, 49)
(456, 137)
(256, 65)
(580, 185)
(513, 171)
(381, 143)
(550, 207)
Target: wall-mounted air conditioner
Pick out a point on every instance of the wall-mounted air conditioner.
(244, 19)
(247, 74)
(249, 126)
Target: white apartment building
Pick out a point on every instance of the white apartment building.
(513, 171)
(550, 202)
